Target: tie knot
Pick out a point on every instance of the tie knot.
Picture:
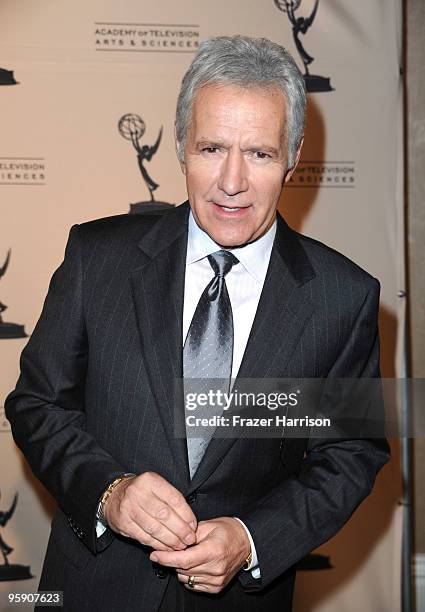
(222, 262)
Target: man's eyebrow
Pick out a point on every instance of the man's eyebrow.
(209, 142)
(264, 148)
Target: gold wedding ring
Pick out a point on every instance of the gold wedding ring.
(191, 582)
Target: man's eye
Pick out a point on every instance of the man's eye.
(261, 155)
(209, 149)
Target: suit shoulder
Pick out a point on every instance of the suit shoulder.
(327, 261)
(119, 226)
(114, 232)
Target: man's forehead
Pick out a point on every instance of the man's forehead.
(228, 106)
(266, 89)
(221, 99)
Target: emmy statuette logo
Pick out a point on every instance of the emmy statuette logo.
(9, 330)
(300, 25)
(7, 78)
(10, 571)
(132, 127)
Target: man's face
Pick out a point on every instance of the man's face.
(236, 161)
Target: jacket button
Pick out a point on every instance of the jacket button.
(191, 498)
(160, 573)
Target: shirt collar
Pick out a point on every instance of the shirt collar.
(254, 256)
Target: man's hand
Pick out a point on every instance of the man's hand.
(221, 548)
(152, 511)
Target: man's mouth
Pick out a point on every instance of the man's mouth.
(227, 209)
(230, 209)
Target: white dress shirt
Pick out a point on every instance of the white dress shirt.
(244, 284)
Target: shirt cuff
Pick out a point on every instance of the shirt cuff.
(100, 525)
(254, 567)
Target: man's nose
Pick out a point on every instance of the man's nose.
(233, 174)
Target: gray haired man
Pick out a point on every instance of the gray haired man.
(219, 287)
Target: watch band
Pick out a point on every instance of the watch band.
(248, 562)
(106, 495)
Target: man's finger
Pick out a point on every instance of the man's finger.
(193, 556)
(200, 580)
(136, 533)
(159, 512)
(206, 570)
(202, 586)
(174, 532)
(165, 492)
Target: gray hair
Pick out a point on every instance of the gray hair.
(248, 62)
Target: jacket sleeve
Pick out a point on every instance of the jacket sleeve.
(46, 409)
(304, 511)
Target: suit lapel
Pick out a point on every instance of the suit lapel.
(282, 314)
(158, 290)
(283, 309)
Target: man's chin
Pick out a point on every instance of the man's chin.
(231, 243)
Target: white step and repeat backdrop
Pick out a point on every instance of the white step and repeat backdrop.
(69, 71)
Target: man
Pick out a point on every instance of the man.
(220, 287)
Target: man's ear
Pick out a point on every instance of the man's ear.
(291, 170)
(177, 144)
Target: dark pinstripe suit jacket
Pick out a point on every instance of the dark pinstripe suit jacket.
(95, 399)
